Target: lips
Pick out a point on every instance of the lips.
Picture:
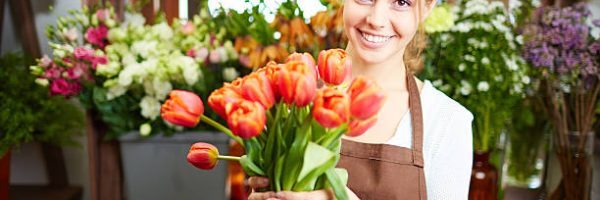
(374, 38)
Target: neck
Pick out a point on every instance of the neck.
(390, 74)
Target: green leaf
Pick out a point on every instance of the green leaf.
(294, 155)
(249, 167)
(317, 160)
(337, 178)
(278, 172)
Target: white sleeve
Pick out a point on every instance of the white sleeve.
(449, 170)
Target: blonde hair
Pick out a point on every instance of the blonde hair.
(412, 53)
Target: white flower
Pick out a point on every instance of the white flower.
(133, 19)
(144, 48)
(108, 70)
(128, 59)
(145, 129)
(483, 86)
(462, 67)
(42, 81)
(536, 3)
(163, 31)
(115, 91)
(125, 78)
(465, 88)
(437, 83)
(462, 27)
(594, 30)
(517, 88)
(498, 78)
(70, 34)
(519, 39)
(229, 74)
(116, 34)
(526, 80)
(161, 88)
(45, 61)
(485, 61)
(469, 58)
(150, 107)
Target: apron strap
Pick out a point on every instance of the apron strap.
(414, 104)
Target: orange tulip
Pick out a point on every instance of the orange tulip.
(358, 127)
(247, 119)
(331, 107)
(334, 66)
(221, 99)
(182, 108)
(203, 155)
(296, 84)
(307, 59)
(256, 87)
(366, 98)
(270, 71)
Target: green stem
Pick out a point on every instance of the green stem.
(232, 158)
(221, 128)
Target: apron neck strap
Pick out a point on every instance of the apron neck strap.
(414, 104)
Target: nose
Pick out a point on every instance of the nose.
(377, 18)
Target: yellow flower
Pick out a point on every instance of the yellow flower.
(441, 19)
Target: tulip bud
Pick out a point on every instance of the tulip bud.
(246, 119)
(331, 107)
(334, 66)
(358, 127)
(305, 58)
(203, 155)
(182, 108)
(296, 84)
(366, 98)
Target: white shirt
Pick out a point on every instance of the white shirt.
(447, 144)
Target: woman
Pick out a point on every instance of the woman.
(421, 147)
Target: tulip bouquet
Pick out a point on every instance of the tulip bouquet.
(290, 128)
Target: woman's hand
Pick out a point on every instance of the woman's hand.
(262, 182)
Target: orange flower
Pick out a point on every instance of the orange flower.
(247, 119)
(182, 108)
(307, 59)
(203, 155)
(331, 107)
(296, 84)
(270, 71)
(334, 66)
(220, 99)
(366, 98)
(358, 127)
(256, 87)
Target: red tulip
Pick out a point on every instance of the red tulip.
(307, 59)
(182, 108)
(357, 127)
(256, 87)
(331, 107)
(334, 66)
(246, 119)
(296, 84)
(203, 155)
(221, 99)
(366, 98)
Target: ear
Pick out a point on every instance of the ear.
(428, 8)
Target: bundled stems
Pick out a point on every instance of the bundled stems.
(221, 128)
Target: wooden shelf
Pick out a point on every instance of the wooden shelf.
(28, 192)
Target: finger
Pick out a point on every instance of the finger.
(257, 182)
(313, 195)
(262, 196)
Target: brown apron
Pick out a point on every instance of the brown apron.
(383, 171)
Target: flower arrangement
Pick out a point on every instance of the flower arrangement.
(563, 47)
(290, 129)
(482, 66)
(124, 69)
(33, 115)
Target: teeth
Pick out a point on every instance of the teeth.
(375, 39)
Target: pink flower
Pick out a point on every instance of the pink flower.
(102, 14)
(70, 34)
(83, 53)
(97, 36)
(63, 87)
(202, 53)
(99, 60)
(214, 57)
(188, 28)
(45, 61)
(245, 60)
(191, 53)
(53, 73)
(76, 71)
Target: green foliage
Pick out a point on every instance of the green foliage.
(28, 113)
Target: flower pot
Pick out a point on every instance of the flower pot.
(4, 175)
(156, 168)
(484, 178)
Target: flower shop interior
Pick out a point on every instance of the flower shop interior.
(83, 84)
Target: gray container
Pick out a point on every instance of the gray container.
(156, 168)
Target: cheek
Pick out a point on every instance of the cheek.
(405, 26)
(353, 15)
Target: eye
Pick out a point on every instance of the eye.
(402, 3)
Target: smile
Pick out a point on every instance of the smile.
(375, 38)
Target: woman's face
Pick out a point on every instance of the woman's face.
(378, 30)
